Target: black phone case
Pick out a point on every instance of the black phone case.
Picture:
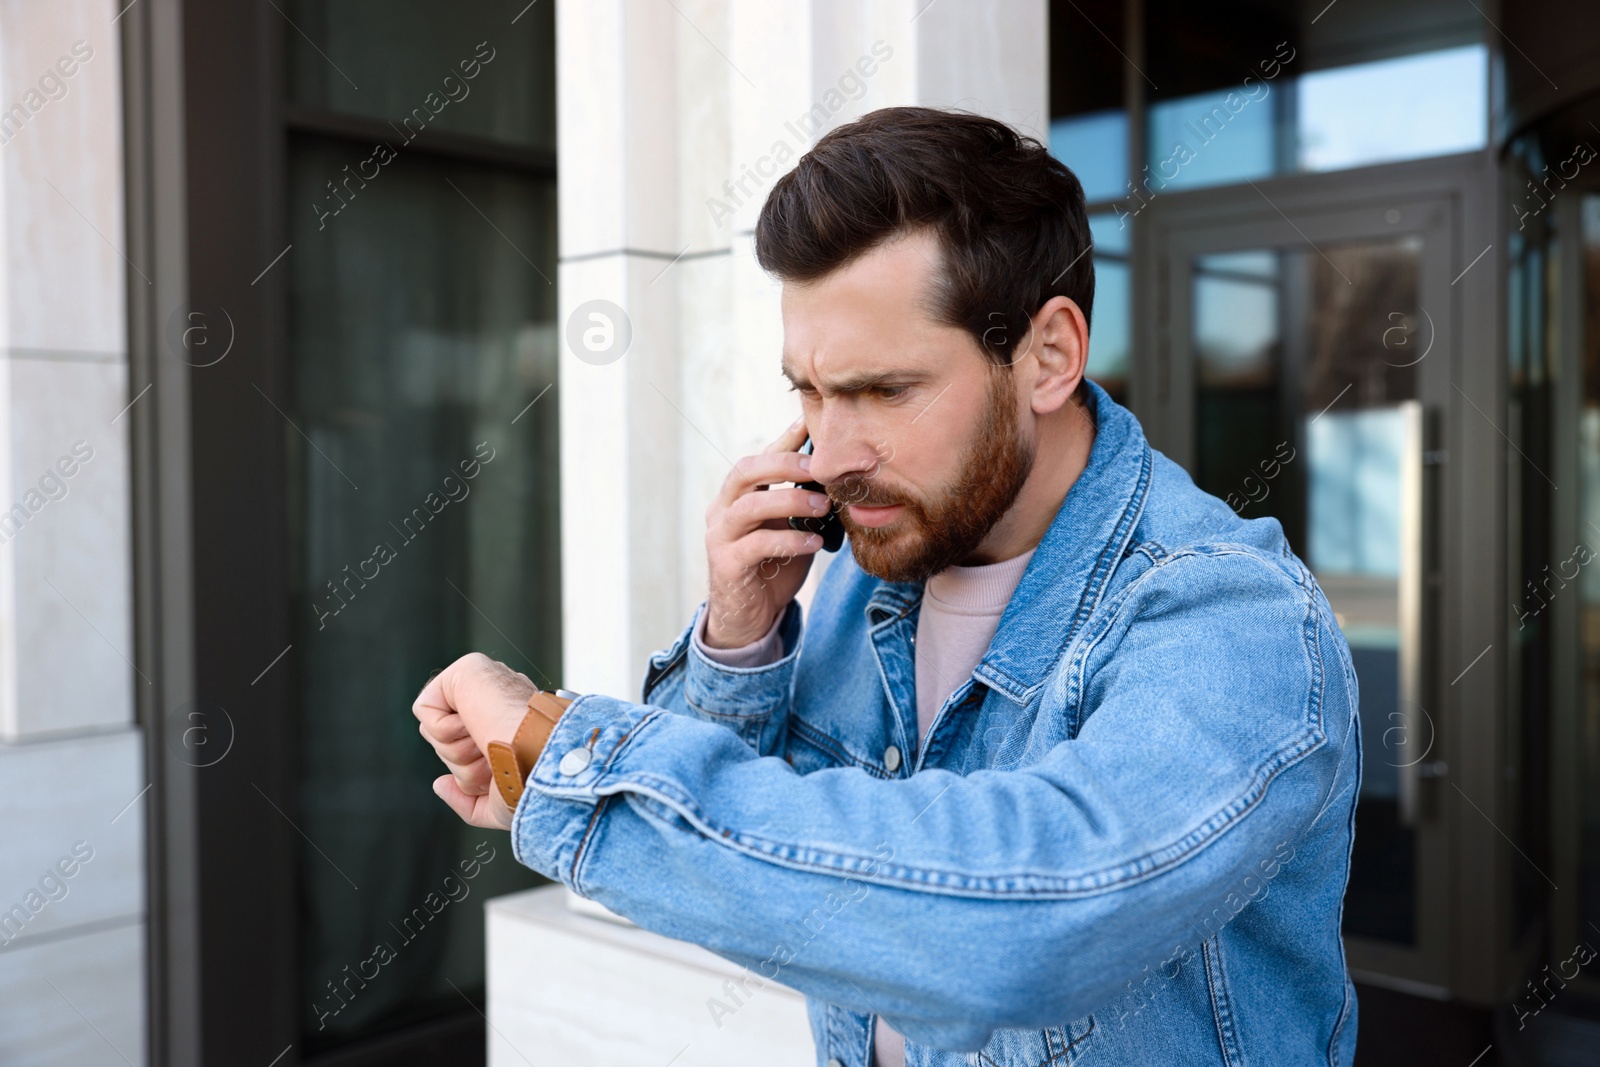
(829, 526)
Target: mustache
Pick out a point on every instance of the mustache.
(861, 489)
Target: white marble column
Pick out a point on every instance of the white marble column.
(71, 944)
(617, 142)
(675, 119)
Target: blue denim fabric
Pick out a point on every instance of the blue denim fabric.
(1126, 839)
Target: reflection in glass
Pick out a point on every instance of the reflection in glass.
(1236, 343)
(1322, 120)
(1112, 322)
(1088, 123)
(473, 72)
(1095, 146)
(1588, 791)
(1217, 138)
(1299, 418)
(424, 502)
(1348, 116)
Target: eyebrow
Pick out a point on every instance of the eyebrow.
(857, 383)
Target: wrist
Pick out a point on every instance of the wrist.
(512, 761)
(725, 631)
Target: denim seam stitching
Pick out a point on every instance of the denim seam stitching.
(1013, 885)
(649, 718)
(816, 736)
(1066, 1045)
(581, 854)
(1221, 1006)
(1100, 575)
(1099, 578)
(1018, 884)
(1077, 668)
(1154, 551)
(741, 717)
(1295, 747)
(744, 673)
(671, 661)
(877, 659)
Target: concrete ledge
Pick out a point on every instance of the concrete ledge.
(565, 987)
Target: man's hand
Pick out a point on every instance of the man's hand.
(473, 701)
(757, 563)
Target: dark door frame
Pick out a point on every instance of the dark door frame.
(206, 140)
(1478, 952)
(204, 188)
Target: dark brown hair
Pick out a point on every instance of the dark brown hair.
(1008, 215)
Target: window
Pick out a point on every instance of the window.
(424, 494)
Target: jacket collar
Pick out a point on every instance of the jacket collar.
(1068, 573)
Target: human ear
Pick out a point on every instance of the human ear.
(1061, 343)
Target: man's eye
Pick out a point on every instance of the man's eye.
(890, 392)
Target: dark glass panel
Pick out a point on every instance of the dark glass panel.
(404, 62)
(425, 525)
(1299, 417)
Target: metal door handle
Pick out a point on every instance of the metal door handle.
(1417, 739)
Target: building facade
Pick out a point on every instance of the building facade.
(344, 337)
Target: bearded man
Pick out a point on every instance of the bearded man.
(1063, 762)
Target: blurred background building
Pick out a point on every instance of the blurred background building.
(343, 337)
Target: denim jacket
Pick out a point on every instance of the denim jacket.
(1125, 840)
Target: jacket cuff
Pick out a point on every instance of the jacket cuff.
(764, 650)
(560, 803)
(718, 690)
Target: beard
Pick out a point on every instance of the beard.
(933, 534)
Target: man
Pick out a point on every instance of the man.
(1064, 761)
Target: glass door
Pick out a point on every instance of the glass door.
(1302, 370)
(423, 482)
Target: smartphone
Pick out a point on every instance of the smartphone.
(829, 525)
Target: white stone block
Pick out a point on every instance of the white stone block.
(615, 128)
(62, 265)
(619, 477)
(69, 805)
(66, 588)
(78, 1001)
(565, 988)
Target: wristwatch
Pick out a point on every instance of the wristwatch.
(511, 764)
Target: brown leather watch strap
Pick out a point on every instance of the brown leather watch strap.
(511, 764)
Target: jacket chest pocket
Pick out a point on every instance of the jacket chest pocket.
(1053, 1047)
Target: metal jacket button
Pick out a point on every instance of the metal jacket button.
(891, 759)
(574, 762)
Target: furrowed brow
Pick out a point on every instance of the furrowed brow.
(798, 381)
(853, 383)
(860, 383)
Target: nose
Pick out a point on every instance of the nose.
(839, 450)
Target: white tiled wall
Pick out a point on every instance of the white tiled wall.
(659, 105)
(71, 761)
(61, 794)
(77, 1001)
(72, 590)
(65, 605)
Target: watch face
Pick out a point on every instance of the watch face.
(566, 694)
